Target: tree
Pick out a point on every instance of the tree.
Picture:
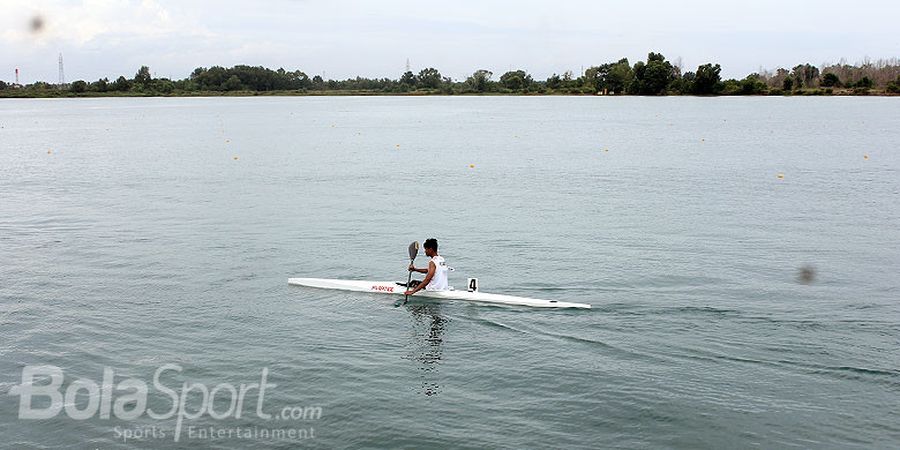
(209, 79)
(752, 85)
(613, 77)
(553, 82)
(683, 84)
(788, 84)
(830, 80)
(318, 83)
(516, 80)
(776, 80)
(408, 79)
(101, 85)
(142, 77)
(731, 87)
(163, 86)
(864, 83)
(3, 85)
(894, 86)
(479, 80)
(593, 77)
(652, 77)
(430, 78)
(186, 85)
(707, 80)
(805, 75)
(567, 80)
(619, 76)
(78, 86)
(121, 84)
(446, 85)
(233, 83)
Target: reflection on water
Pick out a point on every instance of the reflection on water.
(426, 344)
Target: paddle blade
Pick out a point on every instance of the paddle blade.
(413, 250)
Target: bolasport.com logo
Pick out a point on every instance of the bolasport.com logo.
(41, 396)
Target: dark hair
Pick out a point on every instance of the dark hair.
(431, 243)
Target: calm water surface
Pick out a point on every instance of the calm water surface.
(136, 233)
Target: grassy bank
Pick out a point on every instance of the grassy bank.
(62, 93)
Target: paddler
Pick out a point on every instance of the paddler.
(435, 274)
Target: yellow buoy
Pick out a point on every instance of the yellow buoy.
(866, 157)
(49, 151)
(398, 145)
(606, 150)
(235, 158)
(780, 176)
(471, 166)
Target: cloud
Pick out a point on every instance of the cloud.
(347, 38)
(87, 22)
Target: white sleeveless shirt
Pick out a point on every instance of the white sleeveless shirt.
(439, 281)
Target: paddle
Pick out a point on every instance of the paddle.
(413, 252)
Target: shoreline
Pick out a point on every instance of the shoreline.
(366, 93)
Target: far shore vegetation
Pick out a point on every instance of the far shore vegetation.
(656, 76)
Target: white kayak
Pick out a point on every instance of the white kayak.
(390, 287)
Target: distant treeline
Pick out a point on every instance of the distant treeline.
(655, 76)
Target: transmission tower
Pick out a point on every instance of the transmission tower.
(62, 74)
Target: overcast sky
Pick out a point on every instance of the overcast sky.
(342, 38)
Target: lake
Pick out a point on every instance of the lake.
(740, 254)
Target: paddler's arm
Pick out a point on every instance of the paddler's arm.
(413, 268)
(431, 268)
